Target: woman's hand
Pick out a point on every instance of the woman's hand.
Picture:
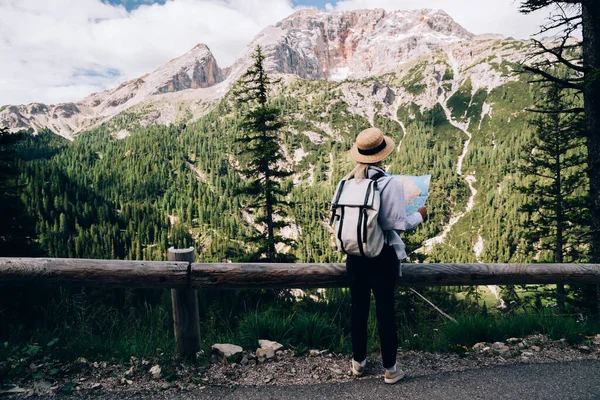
(423, 212)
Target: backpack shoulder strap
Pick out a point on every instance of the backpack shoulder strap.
(376, 177)
(337, 195)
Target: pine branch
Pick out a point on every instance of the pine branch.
(563, 83)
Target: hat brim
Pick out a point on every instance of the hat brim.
(373, 158)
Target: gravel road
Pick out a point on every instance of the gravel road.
(564, 381)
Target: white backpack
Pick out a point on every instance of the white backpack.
(354, 212)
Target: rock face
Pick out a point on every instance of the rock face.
(361, 43)
(308, 44)
(315, 44)
(196, 69)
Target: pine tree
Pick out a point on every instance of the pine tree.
(582, 58)
(260, 123)
(556, 184)
(16, 230)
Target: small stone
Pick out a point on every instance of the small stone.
(226, 350)
(95, 365)
(315, 377)
(40, 386)
(96, 386)
(585, 349)
(270, 353)
(244, 361)
(279, 353)
(268, 378)
(337, 371)
(527, 354)
(261, 355)
(524, 358)
(314, 353)
(497, 345)
(145, 362)
(513, 340)
(486, 349)
(503, 349)
(81, 360)
(266, 344)
(126, 381)
(155, 371)
(535, 348)
(478, 346)
(129, 371)
(521, 345)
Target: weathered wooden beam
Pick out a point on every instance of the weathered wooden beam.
(93, 273)
(263, 275)
(497, 274)
(267, 275)
(186, 316)
(168, 274)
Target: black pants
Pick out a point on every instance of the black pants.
(379, 275)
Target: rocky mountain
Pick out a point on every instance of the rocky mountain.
(197, 69)
(309, 44)
(315, 44)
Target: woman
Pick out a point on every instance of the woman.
(379, 274)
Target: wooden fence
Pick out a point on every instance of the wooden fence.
(184, 277)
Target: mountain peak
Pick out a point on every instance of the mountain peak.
(312, 43)
(195, 69)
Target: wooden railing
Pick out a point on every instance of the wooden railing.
(184, 276)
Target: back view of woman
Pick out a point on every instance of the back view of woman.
(378, 275)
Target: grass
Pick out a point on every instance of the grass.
(72, 329)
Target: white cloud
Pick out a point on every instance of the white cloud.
(62, 50)
(477, 16)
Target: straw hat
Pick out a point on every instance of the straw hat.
(371, 146)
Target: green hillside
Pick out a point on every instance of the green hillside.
(103, 197)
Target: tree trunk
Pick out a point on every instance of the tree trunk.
(558, 256)
(269, 216)
(590, 13)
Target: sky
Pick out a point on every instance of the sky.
(54, 51)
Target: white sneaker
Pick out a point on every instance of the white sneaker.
(357, 369)
(393, 377)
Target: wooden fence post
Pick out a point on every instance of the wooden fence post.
(186, 317)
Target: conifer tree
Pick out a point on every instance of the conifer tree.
(261, 156)
(582, 58)
(556, 185)
(15, 228)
